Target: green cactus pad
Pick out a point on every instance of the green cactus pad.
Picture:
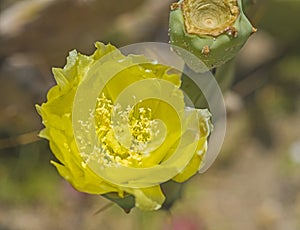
(213, 30)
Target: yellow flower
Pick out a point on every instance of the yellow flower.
(118, 127)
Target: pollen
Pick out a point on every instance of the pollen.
(103, 112)
(140, 124)
(141, 128)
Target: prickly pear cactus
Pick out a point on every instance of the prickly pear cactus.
(213, 30)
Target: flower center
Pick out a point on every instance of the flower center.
(124, 138)
(141, 125)
(102, 114)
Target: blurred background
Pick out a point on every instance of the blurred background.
(255, 181)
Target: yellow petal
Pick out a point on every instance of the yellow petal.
(194, 165)
(148, 199)
(60, 78)
(87, 183)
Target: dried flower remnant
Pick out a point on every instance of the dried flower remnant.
(218, 24)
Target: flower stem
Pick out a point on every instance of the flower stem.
(22, 139)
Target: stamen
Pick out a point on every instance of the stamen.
(141, 127)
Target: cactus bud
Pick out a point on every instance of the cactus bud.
(213, 30)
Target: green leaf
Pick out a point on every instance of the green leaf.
(126, 203)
